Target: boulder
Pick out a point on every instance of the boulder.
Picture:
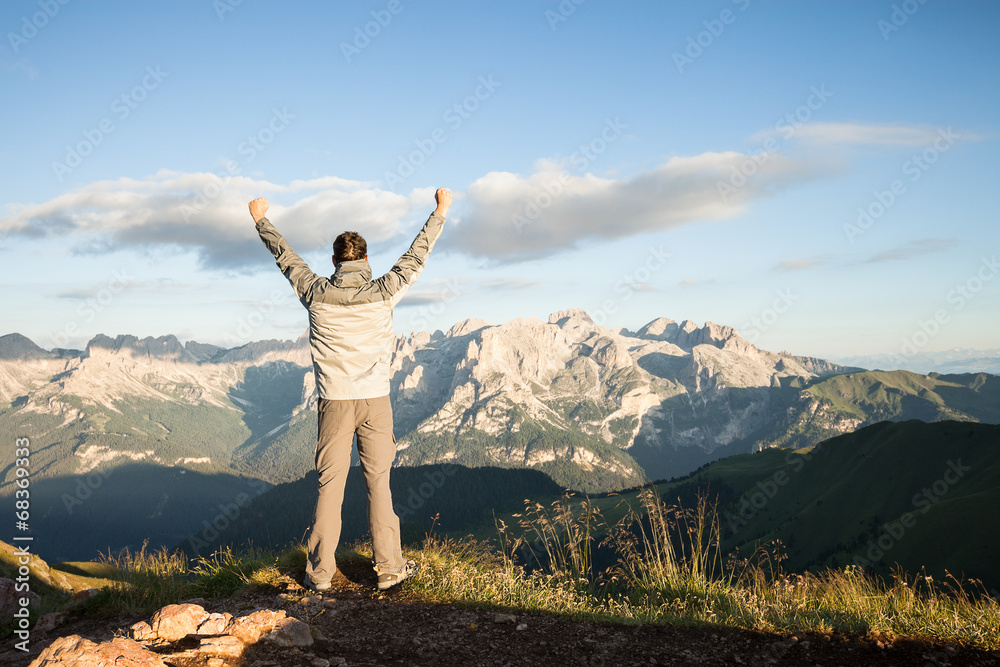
(176, 621)
(250, 628)
(75, 651)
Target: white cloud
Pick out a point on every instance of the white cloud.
(501, 216)
(514, 217)
(201, 212)
(859, 134)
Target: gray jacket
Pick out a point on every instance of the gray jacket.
(350, 315)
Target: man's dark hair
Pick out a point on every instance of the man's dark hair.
(349, 246)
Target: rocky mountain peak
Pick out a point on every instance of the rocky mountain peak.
(165, 347)
(15, 347)
(661, 328)
(468, 326)
(562, 316)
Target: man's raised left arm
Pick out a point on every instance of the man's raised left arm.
(408, 267)
(294, 267)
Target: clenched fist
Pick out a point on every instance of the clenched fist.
(258, 208)
(443, 197)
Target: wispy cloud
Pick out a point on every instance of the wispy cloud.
(865, 134)
(912, 249)
(797, 264)
(20, 65)
(445, 291)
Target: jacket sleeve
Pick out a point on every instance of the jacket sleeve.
(295, 269)
(411, 263)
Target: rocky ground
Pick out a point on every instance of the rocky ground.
(354, 625)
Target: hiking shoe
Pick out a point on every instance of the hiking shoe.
(387, 580)
(318, 586)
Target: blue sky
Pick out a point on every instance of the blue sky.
(706, 161)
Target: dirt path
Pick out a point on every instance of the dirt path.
(355, 625)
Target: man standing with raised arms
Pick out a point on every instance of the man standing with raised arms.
(351, 339)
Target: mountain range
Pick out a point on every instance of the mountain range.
(596, 409)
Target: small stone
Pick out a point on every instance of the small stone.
(522, 626)
(504, 618)
(880, 645)
(215, 624)
(338, 661)
(48, 622)
(318, 635)
(320, 662)
(85, 594)
(222, 645)
(141, 632)
(290, 632)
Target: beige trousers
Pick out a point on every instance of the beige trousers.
(371, 420)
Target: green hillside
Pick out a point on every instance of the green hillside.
(75, 518)
(830, 504)
(555, 447)
(838, 403)
(447, 498)
(911, 493)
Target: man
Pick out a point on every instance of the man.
(351, 339)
